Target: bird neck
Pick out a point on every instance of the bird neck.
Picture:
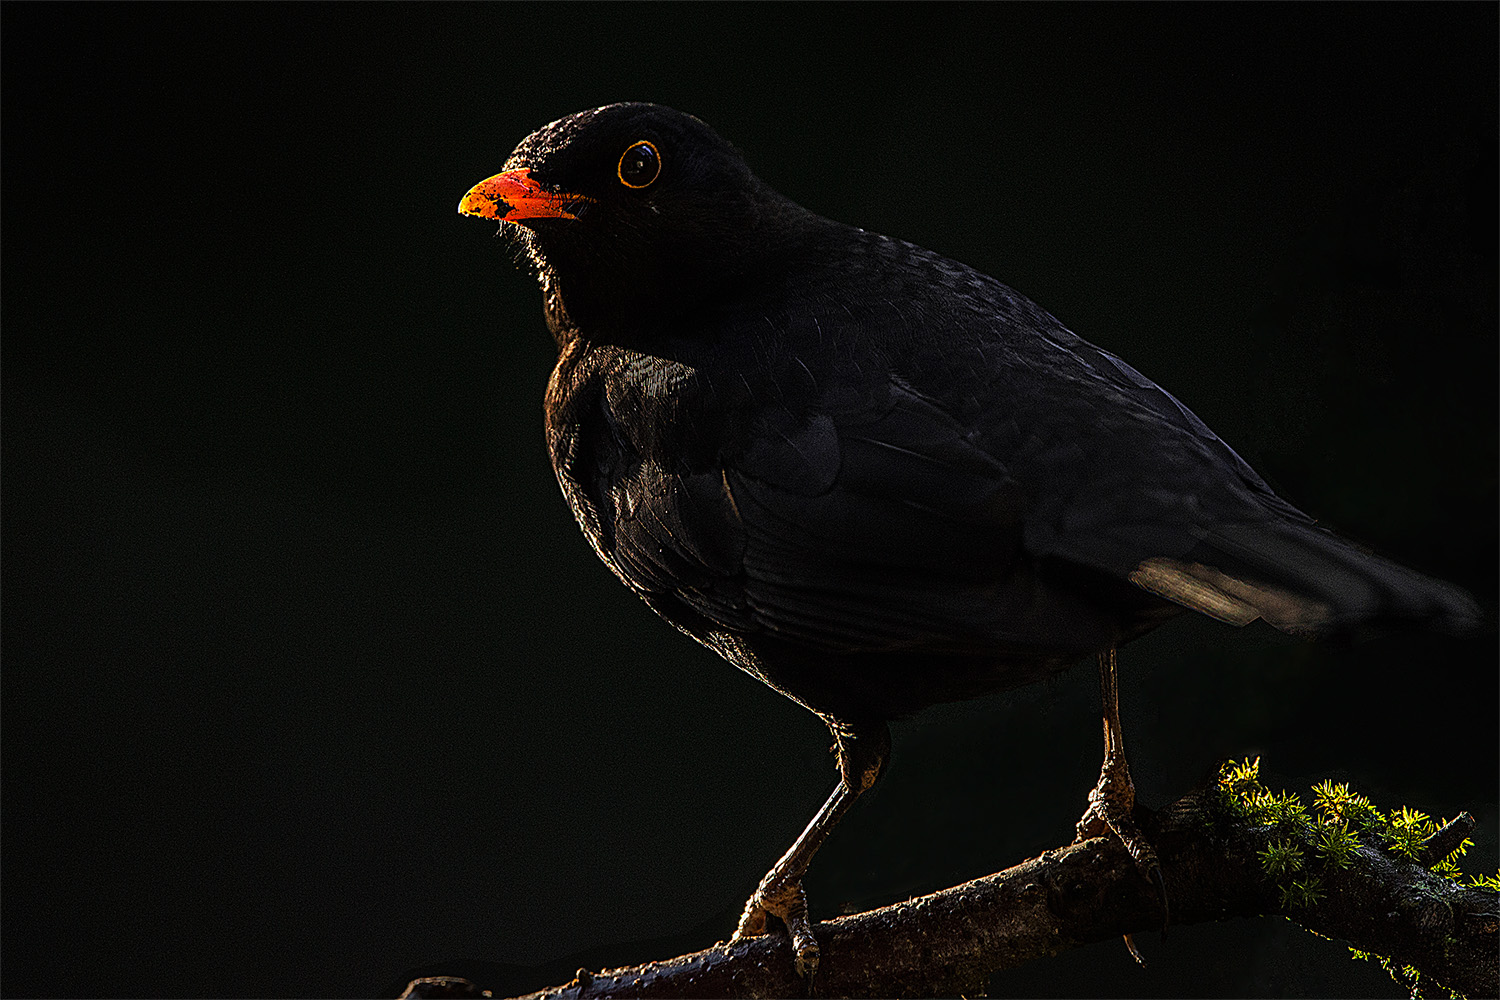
(605, 305)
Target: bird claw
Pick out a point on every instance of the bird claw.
(1161, 893)
(1111, 804)
(788, 903)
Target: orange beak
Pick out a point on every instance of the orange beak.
(516, 195)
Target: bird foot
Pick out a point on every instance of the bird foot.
(1111, 807)
(787, 902)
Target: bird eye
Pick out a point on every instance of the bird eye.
(640, 165)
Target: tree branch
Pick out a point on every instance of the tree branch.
(1215, 861)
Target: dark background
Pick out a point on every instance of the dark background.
(310, 683)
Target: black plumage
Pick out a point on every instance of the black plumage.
(870, 476)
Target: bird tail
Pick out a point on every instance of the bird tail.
(1303, 580)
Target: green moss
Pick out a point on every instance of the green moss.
(1408, 976)
(1239, 786)
(1448, 866)
(1242, 795)
(1486, 881)
(1308, 846)
(1280, 859)
(1302, 894)
(1337, 804)
(1336, 844)
(1406, 830)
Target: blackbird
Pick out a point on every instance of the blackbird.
(874, 478)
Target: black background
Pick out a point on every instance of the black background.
(310, 684)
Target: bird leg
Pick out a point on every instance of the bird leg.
(862, 753)
(1112, 801)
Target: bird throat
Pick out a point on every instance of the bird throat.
(603, 312)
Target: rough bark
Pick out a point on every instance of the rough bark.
(950, 942)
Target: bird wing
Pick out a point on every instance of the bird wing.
(880, 527)
(1138, 487)
(844, 510)
(937, 493)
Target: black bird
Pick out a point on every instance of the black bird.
(872, 477)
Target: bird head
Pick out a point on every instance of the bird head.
(631, 212)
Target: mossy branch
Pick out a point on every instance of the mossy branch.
(1229, 849)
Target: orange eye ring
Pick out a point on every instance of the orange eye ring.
(639, 165)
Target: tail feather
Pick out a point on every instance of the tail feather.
(1304, 580)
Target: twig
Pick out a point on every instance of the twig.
(1443, 843)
